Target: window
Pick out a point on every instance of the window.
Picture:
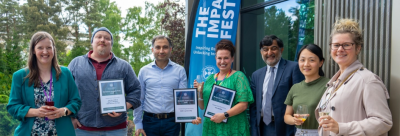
(281, 19)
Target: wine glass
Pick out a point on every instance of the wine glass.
(200, 82)
(302, 113)
(323, 110)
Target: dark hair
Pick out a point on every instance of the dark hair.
(225, 44)
(161, 37)
(317, 51)
(268, 40)
(34, 72)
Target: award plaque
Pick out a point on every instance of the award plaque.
(185, 105)
(221, 100)
(112, 96)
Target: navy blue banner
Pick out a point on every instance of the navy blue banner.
(215, 20)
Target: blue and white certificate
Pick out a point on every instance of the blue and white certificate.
(112, 96)
(185, 104)
(220, 101)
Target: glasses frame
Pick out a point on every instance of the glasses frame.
(342, 45)
(272, 48)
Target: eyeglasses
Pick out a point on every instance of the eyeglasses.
(273, 48)
(346, 46)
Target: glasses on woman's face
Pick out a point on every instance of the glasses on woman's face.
(336, 46)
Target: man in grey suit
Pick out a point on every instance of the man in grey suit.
(270, 86)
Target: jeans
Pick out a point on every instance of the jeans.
(118, 132)
(160, 127)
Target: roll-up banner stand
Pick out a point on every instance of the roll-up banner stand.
(210, 21)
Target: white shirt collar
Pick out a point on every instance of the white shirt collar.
(276, 66)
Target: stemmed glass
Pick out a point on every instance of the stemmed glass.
(200, 82)
(302, 113)
(323, 110)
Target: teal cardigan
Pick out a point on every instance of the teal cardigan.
(21, 99)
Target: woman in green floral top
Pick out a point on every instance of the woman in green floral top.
(238, 124)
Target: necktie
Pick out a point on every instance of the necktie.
(267, 98)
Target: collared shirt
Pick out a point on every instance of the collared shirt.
(157, 89)
(266, 80)
(267, 76)
(85, 77)
(100, 66)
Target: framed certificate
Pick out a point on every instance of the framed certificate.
(112, 96)
(220, 101)
(185, 105)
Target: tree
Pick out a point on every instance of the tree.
(45, 16)
(140, 30)
(173, 25)
(10, 51)
(7, 123)
(113, 21)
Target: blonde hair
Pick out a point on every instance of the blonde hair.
(349, 26)
(33, 67)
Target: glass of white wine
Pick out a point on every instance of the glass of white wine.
(302, 112)
(323, 111)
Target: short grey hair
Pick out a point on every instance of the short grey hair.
(161, 37)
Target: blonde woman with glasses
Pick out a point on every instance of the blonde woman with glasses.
(355, 102)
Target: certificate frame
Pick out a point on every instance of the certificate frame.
(221, 100)
(112, 96)
(185, 105)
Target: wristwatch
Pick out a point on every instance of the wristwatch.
(65, 112)
(226, 114)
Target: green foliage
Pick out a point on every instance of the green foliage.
(7, 123)
(173, 25)
(64, 19)
(287, 29)
(45, 16)
(5, 87)
(10, 51)
(140, 30)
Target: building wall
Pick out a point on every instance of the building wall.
(374, 19)
(394, 101)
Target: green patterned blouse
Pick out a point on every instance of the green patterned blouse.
(237, 125)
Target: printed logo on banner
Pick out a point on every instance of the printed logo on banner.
(208, 70)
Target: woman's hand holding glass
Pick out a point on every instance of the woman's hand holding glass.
(299, 120)
(328, 124)
(54, 112)
(198, 83)
(325, 121)
(41, 112)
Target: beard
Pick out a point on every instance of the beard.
(273, 62)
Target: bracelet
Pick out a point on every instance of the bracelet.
(199, 99)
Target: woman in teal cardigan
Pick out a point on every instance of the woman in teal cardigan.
(41, 103)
